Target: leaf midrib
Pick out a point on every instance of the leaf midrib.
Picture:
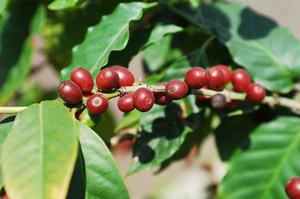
(41, 147)
(280, 165)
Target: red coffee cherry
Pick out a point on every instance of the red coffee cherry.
(143, 99)
(226, 72)
(292, 188)
(125, 103)
(107, 80)
(196, 77)
(240, 80)
(97, 103)
(216, 79)
(256, 92)
(126, 78)
(83, 79)
(70, 92)
(162, 99)
(176, 89)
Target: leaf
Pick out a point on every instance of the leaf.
(160, 31)
(3, 6)
(5, 126)
(112, 33)
(195, 3)
(15, 49)
(160, 135)
(232, 134)
(269, 52)
(102, 176)
(262, 170)
(129, 120)
(64, 4)
(40, 151)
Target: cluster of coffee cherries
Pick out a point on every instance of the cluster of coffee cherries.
(292, 188)
(109, 80)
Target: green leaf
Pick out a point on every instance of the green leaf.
(5, 127)
(160, 31)
(40, 151)
(129, 120)
(64, 4)
(262, 170)
(102, 176)
(15, 50)
(195, 3)
(269, 52)
(112, 33)
(3, 6)
(160, 135)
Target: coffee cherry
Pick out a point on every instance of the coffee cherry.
(218, 101)
(107, 80)
(143, 99)
(83, 79)
(176, 89)
(125, 103)
(240, 80)
(126, 78)
(97, 104)
(162, 99)
(255, 93)
(226, 72)
(196, 77)
(216, 79)
(70, 92)
(292, 188)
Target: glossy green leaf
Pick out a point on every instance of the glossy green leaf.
(262, 170)
(64, 4)
(103, 179)
(268, 51)
(40, 151)
(160, 135)
(15, 49)
(112, 33)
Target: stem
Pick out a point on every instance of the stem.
(230, 95)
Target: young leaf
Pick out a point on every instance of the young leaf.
(262, 170)
(160, 135)
(269, 52)
(112, 33)
(102, 176)
(39, 153)
(15, 49)
(64, 4)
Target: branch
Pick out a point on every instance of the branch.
(272, 101)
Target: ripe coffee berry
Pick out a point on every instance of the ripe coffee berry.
(126, 78)
(125, 103)
(196, 77)
(143, 99)
(255, 93)
(176, 89)
(292, 188)
(83, 79)
(97, 104)
(162, 99)
(107, 80)
(216, 79)
(240, 80)
(226, 72)
(218, 101)
(70, 92)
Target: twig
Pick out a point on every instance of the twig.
(272, 101)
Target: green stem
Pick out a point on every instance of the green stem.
(12, 110)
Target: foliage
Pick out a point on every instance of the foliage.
(47, 154)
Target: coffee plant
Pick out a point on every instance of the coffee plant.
(211, 68)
